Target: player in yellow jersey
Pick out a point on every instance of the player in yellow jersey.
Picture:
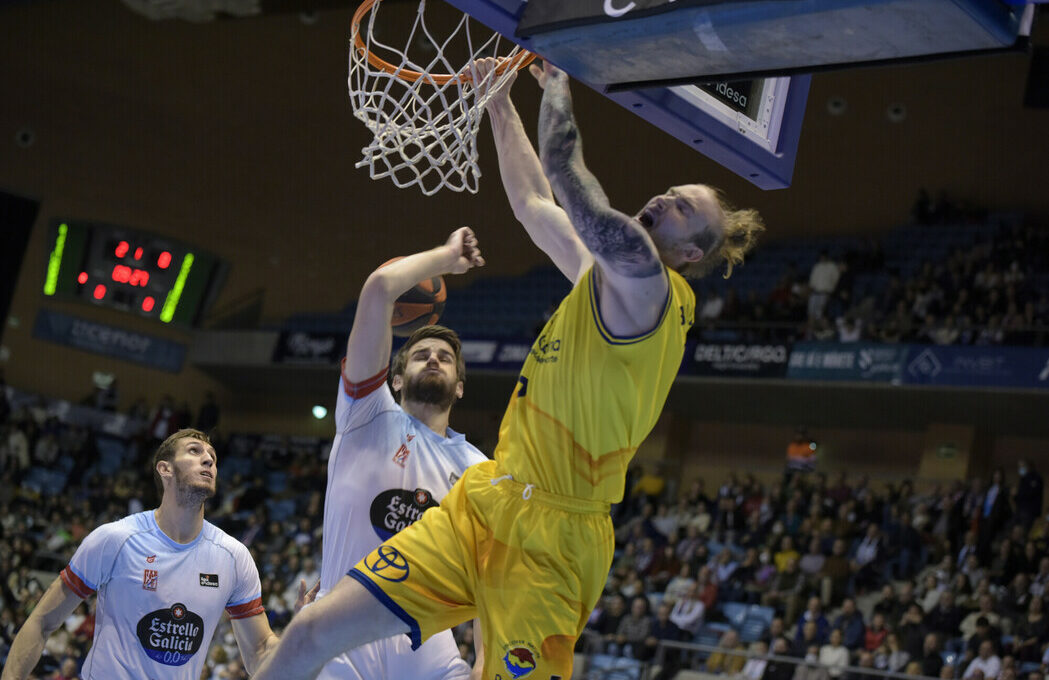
(524, 542)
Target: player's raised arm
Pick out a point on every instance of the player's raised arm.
(368, 348)
(525, 184)
(54, 607)
(630, 265)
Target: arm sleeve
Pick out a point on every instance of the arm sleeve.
(359, 402)
(246, 598)
(92, 563)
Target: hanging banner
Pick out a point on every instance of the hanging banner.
(110, 341)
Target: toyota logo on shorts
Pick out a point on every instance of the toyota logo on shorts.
(387, 563)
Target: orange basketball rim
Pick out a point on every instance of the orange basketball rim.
(518, 61)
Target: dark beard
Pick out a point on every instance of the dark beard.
(190, 494)
(430, 389)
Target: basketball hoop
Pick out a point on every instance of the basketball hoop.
(424, 110)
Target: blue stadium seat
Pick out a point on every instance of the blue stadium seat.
(765, 614)
(605, 667)
(46, 482)
(655, 599)
(752, 630)
(280, 510)
(735, 613)
(276, 482)
(709, 634)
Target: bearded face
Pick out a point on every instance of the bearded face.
(430, 387)
(430, 375)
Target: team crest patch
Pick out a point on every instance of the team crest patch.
(453, 478)
(149, 579)
(520, 658)
(209, 580)
(387, 563)
(401, 455)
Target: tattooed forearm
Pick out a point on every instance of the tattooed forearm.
(610, 235)
(558, 134)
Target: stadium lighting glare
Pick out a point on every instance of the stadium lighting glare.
(319, 412)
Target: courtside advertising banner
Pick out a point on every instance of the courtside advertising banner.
(737, 360)
(858, 362)
(300, 347)
(110, 341)
(1021, 367)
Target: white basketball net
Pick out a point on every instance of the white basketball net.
(425, 133)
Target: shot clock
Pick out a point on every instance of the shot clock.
(132, 271)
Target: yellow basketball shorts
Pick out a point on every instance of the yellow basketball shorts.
(530, 564)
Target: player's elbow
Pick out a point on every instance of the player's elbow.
(531, 209)
(260, 653)
(303, 640)
(380, 285)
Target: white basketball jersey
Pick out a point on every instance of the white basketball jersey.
(159, 601)
(386, 468)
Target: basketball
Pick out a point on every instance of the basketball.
(419, 306)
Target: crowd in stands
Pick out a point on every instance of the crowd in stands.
(953, 580)
(990, 289)
(270, 497)
(948, 581)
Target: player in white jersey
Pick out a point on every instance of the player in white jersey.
(163, 578)
(390, 462)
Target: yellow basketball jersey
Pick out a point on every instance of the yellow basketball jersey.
(586, 399)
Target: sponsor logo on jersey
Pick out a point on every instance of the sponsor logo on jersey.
(171, 636)
(394, 509)
(149, 579)
(387, 563)
(520, 658)
(545, 349)
(149, 560)
(209, 580)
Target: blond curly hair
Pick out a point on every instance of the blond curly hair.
(741, 229)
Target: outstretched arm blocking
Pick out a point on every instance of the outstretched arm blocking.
(368, 348)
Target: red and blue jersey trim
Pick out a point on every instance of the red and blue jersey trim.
(76, 584)
(359, 390)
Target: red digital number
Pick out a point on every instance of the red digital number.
(125, 274)
(139, 277)
(121, 273)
